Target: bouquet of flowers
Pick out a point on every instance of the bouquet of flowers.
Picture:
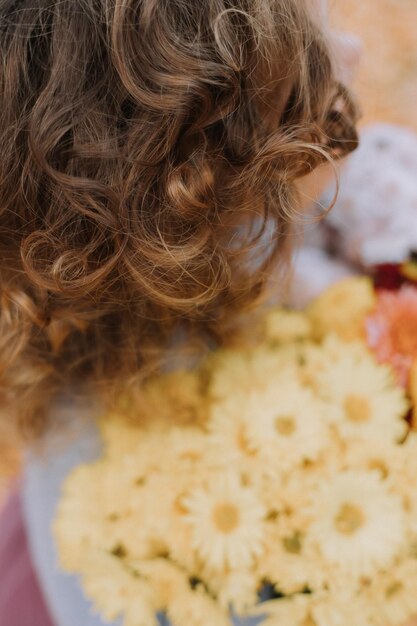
(276, 481)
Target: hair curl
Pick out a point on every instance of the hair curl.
(136, 136)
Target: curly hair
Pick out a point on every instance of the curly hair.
(146, 144)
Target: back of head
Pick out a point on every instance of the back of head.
(136, 136)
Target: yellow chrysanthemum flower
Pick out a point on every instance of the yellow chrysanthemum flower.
(109, 583)
(386, 459)
(236, 589)
(358, 524)
(226, 519)
(184, 449)
(321, 609)
(164, 515)
(197, 609)
(228, 445)
(167, 580)
(365, 401)
(101, 506)
(283, 424)
(279, 463)
(241, 370)
(291, 611)
(340, 609)
(283, 326)
(392, 595)
(342, 309)
(288, 564)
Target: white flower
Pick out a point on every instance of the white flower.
(197, 608)
(227, 523)
(385, 458)
(286, 564)
(236, 589)
(286, 422)
(228, 443)
(406, 479)
(367, 403)
(317, 609)
(116, 590)
(167, 580)
(236, 371)
(357, 524)
(183, 449)
(341, 609)
(292, 611)
(282, 325)
(392, 594)
(93, 498)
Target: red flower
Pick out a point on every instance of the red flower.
(392, 330)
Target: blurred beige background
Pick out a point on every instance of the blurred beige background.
(387, 89)
(387, 82)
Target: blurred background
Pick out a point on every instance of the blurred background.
(386, 86)
(387, 81)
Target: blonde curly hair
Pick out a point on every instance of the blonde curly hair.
(135, 135)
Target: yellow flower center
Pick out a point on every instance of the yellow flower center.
(349, 519)
(226, 517)
(285, 425)
(309, 621)
(393, 589)
(292, 544)
(357, 409)
(380, 466)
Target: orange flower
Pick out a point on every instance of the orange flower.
(392, 330)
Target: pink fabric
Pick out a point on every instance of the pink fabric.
(21, 601)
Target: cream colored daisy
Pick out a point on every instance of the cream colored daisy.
(288, 496)
(317, 609)
(183, 450)
(101, 507)
(291, 611)
(358, 524)
(142, 443)
(392, 594)
(385, 458)
(286, 564)
(226, 520)
(228, 444)
(80, 516)
(285, 423)
(197, 609)
(342, 308)
(340, 609)
(116, 590)
(164, 515)
(241, 370)
(167, 580)
(366, 401)
(235, 589)
(282, 325)
(406, 481)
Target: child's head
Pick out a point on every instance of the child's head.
(136, 137)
